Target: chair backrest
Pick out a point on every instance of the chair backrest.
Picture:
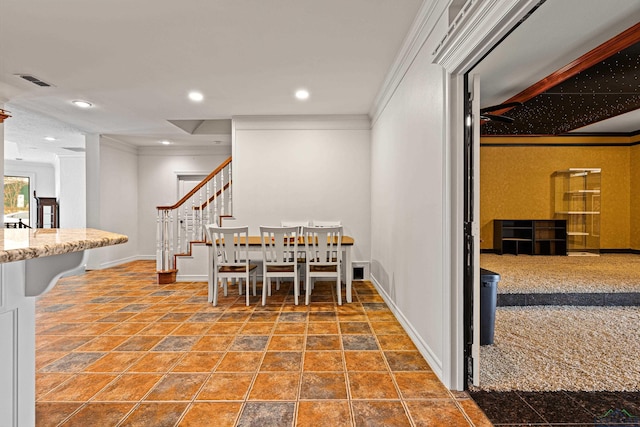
(279, 244)
(230, 244)
(323, 245)
(326, 223)
(299, 224)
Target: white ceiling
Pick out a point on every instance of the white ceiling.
(136, 61)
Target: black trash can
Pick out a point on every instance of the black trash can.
(488, 299)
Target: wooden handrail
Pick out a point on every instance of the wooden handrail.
(197, 187)
(212, 198)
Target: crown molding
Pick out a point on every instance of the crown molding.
(479, 25)
(421, 29)
(111, 142)
(214, 150)
(303, 122)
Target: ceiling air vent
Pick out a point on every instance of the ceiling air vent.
(34, 80)
(76, 149)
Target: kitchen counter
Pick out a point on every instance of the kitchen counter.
(27, 243)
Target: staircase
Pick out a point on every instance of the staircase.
(182, 225)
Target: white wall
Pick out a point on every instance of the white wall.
(303, 168)
(71, 191)
(116, 192)
(409, 204)
(158, 183)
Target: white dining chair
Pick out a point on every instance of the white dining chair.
(229, 259)
(279, 258)
(324, 257)
(332, 223)
(299, 224)
(316, 223)
(301, 253)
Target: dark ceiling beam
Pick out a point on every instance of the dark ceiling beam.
(620, 42)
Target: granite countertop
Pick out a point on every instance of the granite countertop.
(26, 243)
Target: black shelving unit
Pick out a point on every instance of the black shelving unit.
(530, 236)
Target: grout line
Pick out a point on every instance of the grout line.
(190, 302)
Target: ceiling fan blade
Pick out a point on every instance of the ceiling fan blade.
(496, 118)
(500, 107)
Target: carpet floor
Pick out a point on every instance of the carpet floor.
(607, 273)
(563, 348)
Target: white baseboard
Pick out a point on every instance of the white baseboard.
(121, 261)
(422, 346)
(191, 278)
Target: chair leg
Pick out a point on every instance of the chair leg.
(339, 290)
(214, 289)
(264, 290)
(224, 284)
(210, 287)
(296, 288)
(247, 288)
(254, 283)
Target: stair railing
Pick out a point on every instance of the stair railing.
(181, 224)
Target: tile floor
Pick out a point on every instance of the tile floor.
(115, 348)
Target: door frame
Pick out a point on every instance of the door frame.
(478, 28)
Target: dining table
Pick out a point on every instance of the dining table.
(346, 246)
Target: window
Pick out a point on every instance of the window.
(16, 199)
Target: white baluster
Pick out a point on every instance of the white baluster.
(169, 261)
(208, 207)
(223, 212)
(215, 201)
(230, 190)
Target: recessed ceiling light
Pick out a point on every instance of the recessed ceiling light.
(302, 94)
(82, 104)
(49, 138)
(196, 96)
(165, 142)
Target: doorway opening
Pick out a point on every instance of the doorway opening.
(16, 201)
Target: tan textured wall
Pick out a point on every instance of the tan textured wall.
(516, 183)
(635, 197)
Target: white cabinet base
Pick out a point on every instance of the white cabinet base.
(18, 332)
